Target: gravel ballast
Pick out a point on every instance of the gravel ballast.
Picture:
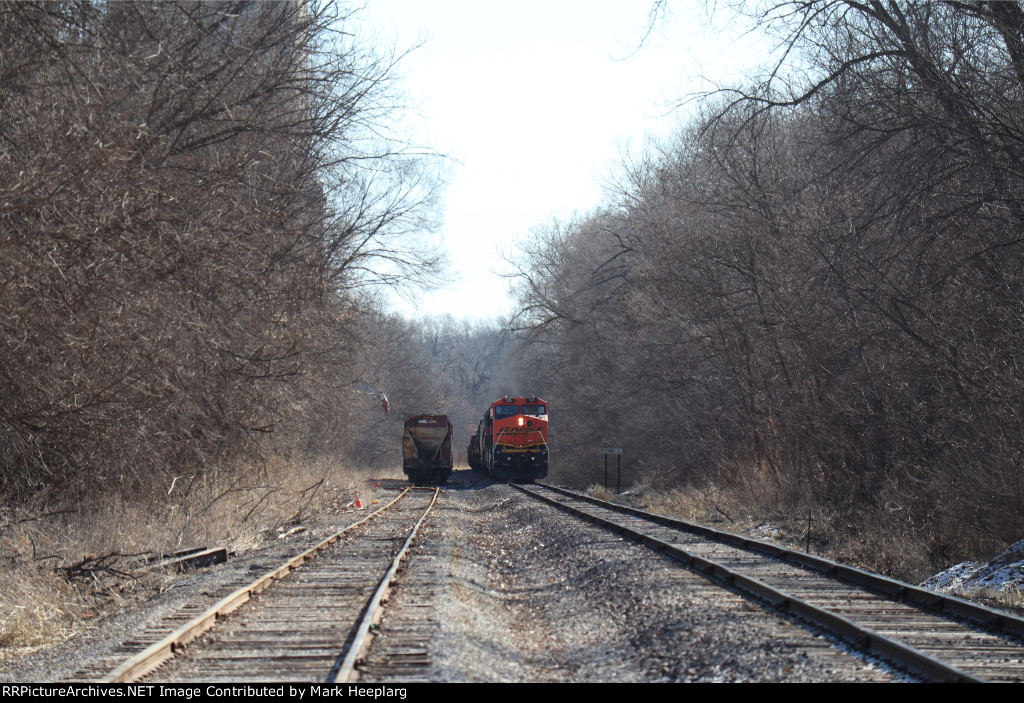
(524, 592)
(502, 588)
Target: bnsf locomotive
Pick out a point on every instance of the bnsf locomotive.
(511, 443)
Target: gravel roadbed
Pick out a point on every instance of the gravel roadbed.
(521, 592)
(500, 587)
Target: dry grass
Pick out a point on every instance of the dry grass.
(66, 566)
(37, 608)
(884, 549)
(719, 507)
(879, 534)
(1009, 598)
(757, 502)
(757, 518)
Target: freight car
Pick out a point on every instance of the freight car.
(427, 449)
(511, 442)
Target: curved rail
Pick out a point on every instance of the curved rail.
(159, 652)
(750, 556)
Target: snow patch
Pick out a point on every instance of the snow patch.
(1005, 572)
(765, 532)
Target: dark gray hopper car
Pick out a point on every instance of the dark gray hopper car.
(427, 449)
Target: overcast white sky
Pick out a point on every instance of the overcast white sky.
(534, 101)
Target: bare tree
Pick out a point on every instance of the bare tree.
(188, 194)
(817, 285)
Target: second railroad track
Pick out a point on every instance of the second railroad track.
(304, 621)
(938, 637)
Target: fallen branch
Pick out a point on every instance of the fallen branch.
(90, 566)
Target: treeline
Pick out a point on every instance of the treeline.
(814, 296)
(431, 366)
(193, 197)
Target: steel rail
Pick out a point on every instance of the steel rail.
(984, 616)
(157, 653)
(858, 635)
(343, 670)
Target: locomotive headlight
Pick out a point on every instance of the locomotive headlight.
(520, 421)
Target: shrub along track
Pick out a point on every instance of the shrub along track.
(939, 637)
(305, 621)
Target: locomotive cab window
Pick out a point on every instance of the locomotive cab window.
(535, 410)
(506, 410)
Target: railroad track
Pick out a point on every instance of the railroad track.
(307, 620)
(939, 637)
(402, 645)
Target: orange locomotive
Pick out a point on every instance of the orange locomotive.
(511, 443)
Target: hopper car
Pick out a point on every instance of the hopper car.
(511, 441)
(427, 449)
